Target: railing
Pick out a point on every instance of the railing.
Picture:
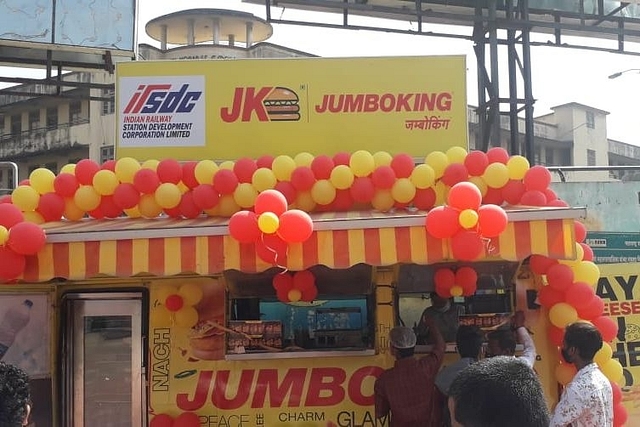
(38, 140)
(561, 170)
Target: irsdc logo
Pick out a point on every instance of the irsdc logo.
(270, 104)
(159, 99)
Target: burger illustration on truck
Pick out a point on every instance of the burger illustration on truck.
(281, 105)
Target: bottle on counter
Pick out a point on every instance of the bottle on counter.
(14, 320)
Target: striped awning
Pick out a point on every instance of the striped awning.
(166, 247)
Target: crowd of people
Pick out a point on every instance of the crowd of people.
(494, 389)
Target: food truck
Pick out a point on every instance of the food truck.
(172, 287)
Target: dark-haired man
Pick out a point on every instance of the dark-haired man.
(15, 397)
(587, 401)
(501, 342)
(498, 392)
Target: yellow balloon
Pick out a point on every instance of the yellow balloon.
(148, 207)
(587, 272)
(134, 212)
(41, 180)
(456, 291)
(87, 198)
(517, 167)
(25, 197)
(565, 373)
(71, 211)
(150, 164)
(168, 195)
(468, 218)
(4, 235)
(191, 293)
(496, 175)
(294, 295)
(382, 200)
(362, 163)
(34, 217)
(442, 193)
(612, 369)
(263, 179)
(165, 291)
(403, 190)
(323, 192)
(479, 182)
(126, 168)
(579, 256)
(268, 222)
(562, 314)
(423, 176)
(69, 168)
(342, 177)
(282, 167)
(245, 195)
(382, 158)
(456, 155)
(603, 355)
(227, 206)
(182, 187)
(160, 317)
(186, 317)
(105, 182)
(303, 159)
(304, 201)
(204, 171)
(438, 161)
(228, 164)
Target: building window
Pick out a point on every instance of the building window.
(548, 157)
(537, 155)
(1, 126)
(591, 157)
(565, 157)
(591, 120)
(34, 119)
(16, 124)
(75, 109)
(108, 107)
(52, 118)
(106, 153)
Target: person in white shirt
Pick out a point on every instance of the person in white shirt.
(587, 401)
(502, 342)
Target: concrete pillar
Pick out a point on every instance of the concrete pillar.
(191, 32)
(163, 37)
(232, 40)
(249, 34)
(216, 31)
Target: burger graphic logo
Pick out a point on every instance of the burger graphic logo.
(282, 105)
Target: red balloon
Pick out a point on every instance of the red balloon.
(296, 226)
(188, 207)
(5, 199)
(205, 196)
(302, 178)
(550, 195)
(343, 201)
(513, 191)
(580, 231)
(282, 282)
(109, 165)
(322, 167)
(476, 162)
(579, 295)
(174, 302)
(362, 190)
(169, 171)
(26, 238)
(96, 213)
(588, 252)
(187, 419)
(189, 174)
(537, 178)
(272, 249)
(617, 392)
(493, 197)
(464, 195)
(24, 182)
(467, 246)
(558, 203)
(51, 207)
(620, 415)
(540, 264)
(444, 278)
(383, 177)
(443, 291)
(442, 222)
(85, 170)
(466, 276)
(282, 296)
(287, 189)
(244, 169)
(498, 155)
(126, 196)
(10, 215)
(161, 420)
(548, 296)
(146, 181)
(309, 294)
(593, 310)
(225, 181)
(424, 199)
(533, 198)
(270, 201)
(608, 327)
(560, 277)
(492, 220)
(556, 335)
(265, 161)
(402, 165)
(108, 207)
(342, 159)
(455, 173)
(11, 264)
(304, 280)
(173, 212)
(65, 184)
(243, 226)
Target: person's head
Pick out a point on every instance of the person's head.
(15, 398)
(469, 341)
(439, 302)
(402, 341)
(581, 342)
(497, 392)
(501, 342)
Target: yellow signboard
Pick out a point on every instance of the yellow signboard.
(222, 110)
